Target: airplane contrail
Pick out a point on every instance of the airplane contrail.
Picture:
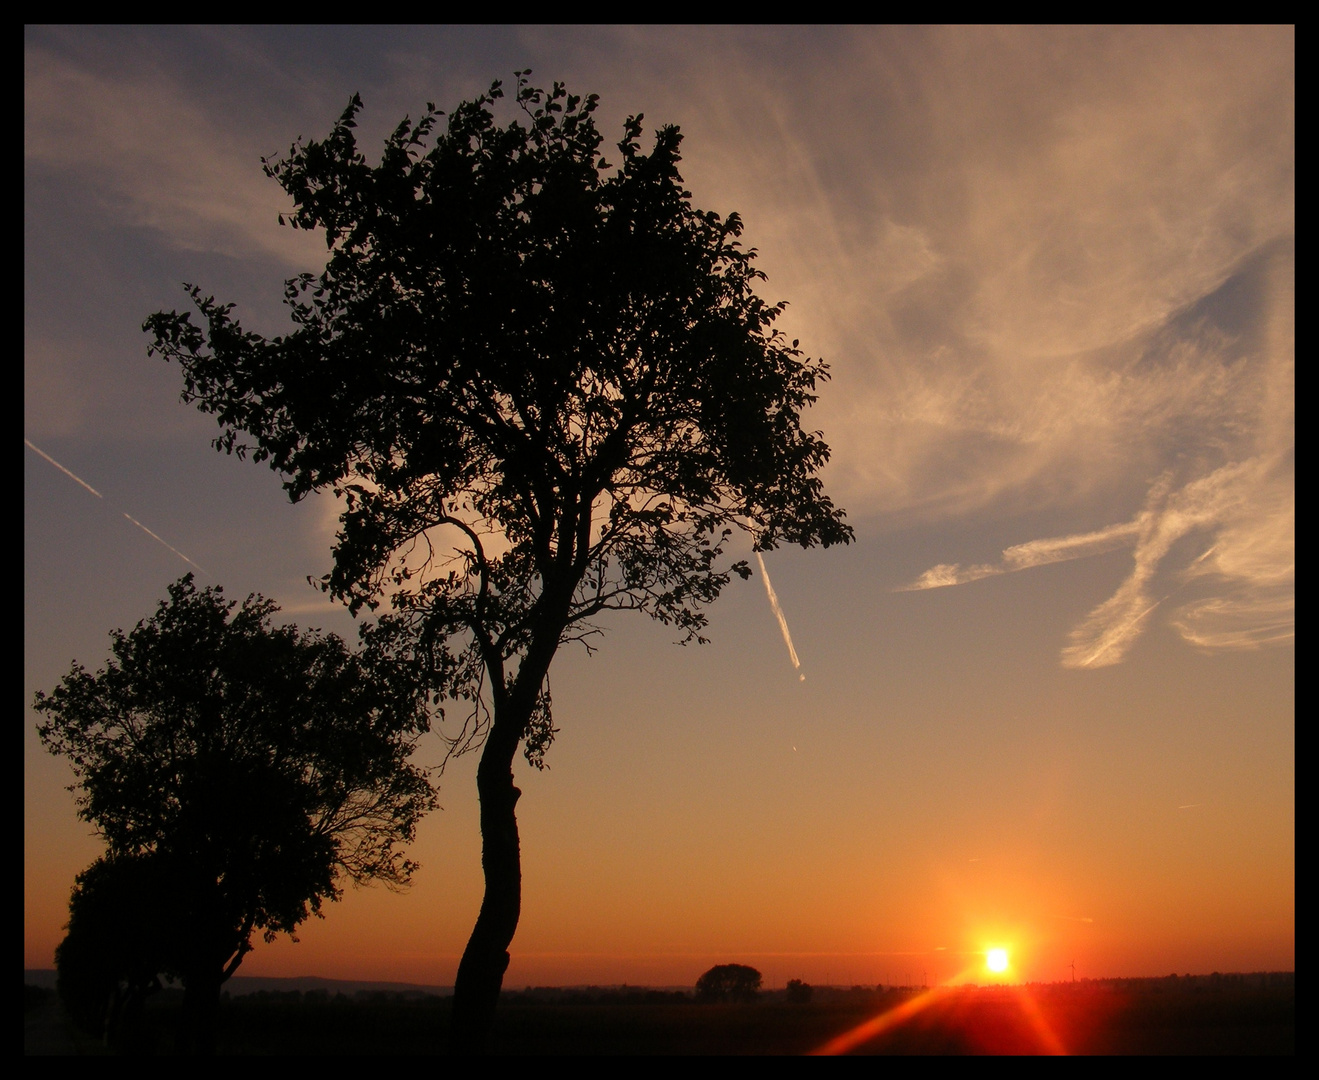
(778, 614)
(78, 479)
(158, 539)
(33, 446)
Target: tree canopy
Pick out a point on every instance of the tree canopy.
(545, 387)
(243, 768)
(557, 357)
(126, 929)
(728, 982)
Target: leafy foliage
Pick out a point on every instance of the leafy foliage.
(728, 982)
(236, 771)
(798, 992)
(545, 387)
(124, 932)
(543, 383)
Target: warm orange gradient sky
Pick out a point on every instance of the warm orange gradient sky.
(1049, 694)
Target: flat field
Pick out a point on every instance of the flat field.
(1146, 1016)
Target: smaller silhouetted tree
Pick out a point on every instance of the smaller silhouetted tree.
(123, 934)
(728, 982)
(237, 771)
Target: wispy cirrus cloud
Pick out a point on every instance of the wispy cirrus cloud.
(1030, 554)
(141, 142)
(1247, 508)
(1000, 239)
(1229, 480)
(1106, 635)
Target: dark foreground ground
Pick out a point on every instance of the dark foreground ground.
(1152, 1016)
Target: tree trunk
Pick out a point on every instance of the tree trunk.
(481, 971)
(201, 1004)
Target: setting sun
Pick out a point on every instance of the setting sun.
(997, 960)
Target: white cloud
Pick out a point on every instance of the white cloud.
(1248, 509)
(1030, 554)
(986, 231)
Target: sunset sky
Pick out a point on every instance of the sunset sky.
(1049, 691)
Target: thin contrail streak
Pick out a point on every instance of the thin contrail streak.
(158, 539)
(778, 614)
(72, 476)
(32, 446)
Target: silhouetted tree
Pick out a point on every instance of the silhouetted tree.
(236, 770)
(122, 932)
(728, 982)
(799, 993)
(545, 388)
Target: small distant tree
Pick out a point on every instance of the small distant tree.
(799, 993)
(237, 771)
(728, 982)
